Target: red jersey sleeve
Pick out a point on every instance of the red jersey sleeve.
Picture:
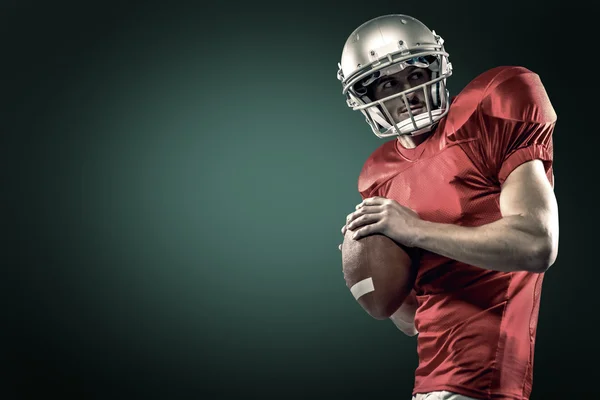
(517, 122)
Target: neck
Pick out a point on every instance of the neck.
(410, 142)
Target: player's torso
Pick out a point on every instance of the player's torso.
(444, 185)
(476, 326)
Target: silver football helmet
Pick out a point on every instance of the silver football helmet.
(386, 45)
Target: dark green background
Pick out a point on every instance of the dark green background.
(176, 178)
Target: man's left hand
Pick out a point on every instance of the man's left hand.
(386, 217)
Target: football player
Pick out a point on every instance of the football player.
(468, 181)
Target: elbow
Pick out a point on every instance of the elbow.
(407, 329)
(411, 332)
(544, 256)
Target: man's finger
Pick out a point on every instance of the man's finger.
(364, 220)
(362, 211)
(365, 210)
(367, 230)
(372, 201)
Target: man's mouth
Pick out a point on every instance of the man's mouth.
(414, 110)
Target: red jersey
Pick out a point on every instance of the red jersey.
(476, 327)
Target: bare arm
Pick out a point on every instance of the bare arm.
(524, 239)
(404, 317)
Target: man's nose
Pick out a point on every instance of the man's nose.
(413, 93)
(412, 97)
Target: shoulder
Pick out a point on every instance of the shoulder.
(518, 94)
(505, 92)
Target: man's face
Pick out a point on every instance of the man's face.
(398, 82)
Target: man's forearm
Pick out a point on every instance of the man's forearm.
(404, 317)
(513, 243)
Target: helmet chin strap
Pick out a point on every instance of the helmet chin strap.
(407, 128)
(421, 131)
(423, 124)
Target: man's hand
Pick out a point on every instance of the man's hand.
(383, 216)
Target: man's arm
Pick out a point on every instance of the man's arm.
(524, 239)
(404, 317)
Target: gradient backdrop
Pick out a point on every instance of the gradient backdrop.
(177, 176)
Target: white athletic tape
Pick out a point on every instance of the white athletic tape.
(363, 287)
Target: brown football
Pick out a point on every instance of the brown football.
(379, 272)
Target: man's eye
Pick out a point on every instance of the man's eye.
(416, 76)
(387, 84)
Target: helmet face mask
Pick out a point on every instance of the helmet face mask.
(387, 46)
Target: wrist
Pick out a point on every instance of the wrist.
(420, 233)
